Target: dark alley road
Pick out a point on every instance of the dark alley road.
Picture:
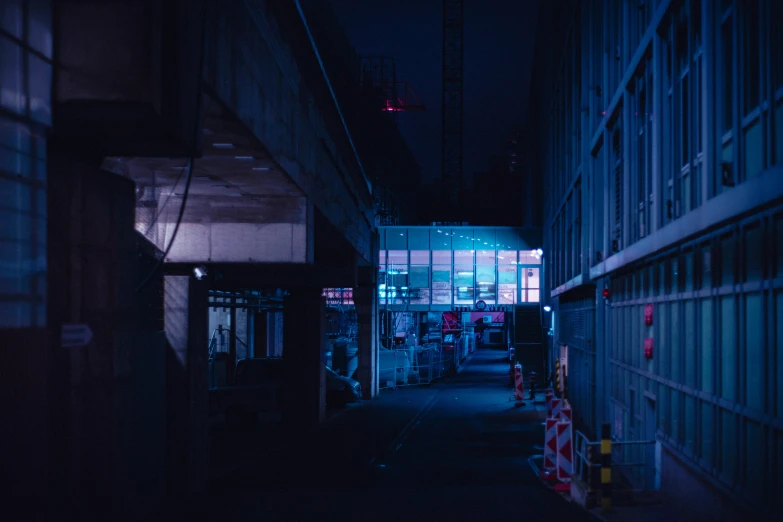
(455, 451)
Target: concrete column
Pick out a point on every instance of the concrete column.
(186, 320)
(366, 300)
(304, 336)
(106, 429)
(232, 339)
(251, 333)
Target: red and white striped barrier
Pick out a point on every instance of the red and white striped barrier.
(566, 414)
(557, 405)
(518, 383)
(549, 394)
(565, 452)
(550, 445)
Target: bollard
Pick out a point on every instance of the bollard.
(518, 384)
(532, 386)
(606, 467)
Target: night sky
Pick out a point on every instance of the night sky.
(498, 39)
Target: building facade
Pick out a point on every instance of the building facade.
(660, 130)
(25, 119)
(439, 268)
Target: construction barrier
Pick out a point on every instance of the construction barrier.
(550, 445)
(557, 405)
(606, 467)
(518, 383)
(558, 387)
(565, 414)
(565, 452)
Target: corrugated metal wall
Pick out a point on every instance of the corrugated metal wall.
(576, 330)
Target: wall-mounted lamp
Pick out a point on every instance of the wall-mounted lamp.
(200, 272)
(547, 308)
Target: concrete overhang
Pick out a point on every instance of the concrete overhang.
(241, 206)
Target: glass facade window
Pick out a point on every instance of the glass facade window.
(453, 272)
(397, 258)
(419, 281)
(530, 285)
(440, 239)
(420, 257)
(463, 277)
(507, 284)
(442, 257)
(507, 257)
(529, 257)
(485, 257)
(441, 277)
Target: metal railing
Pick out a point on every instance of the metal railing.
(413, 365)
(585, 457)
(637, 460)
(218, 372)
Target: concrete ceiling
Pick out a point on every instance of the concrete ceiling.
(241, 205)
(234, 180)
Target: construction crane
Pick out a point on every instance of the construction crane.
(451, 141)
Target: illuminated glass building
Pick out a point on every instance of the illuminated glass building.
(660, 127)
(438, 268)
(438, 281)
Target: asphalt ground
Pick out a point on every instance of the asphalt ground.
(453, 451)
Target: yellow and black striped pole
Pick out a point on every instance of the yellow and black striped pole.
(606, 467)
(557, 377)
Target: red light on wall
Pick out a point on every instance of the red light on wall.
(648, 348)
(648, 314)
(605, 293)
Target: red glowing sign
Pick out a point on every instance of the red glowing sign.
(648, 314)
(648, 348)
